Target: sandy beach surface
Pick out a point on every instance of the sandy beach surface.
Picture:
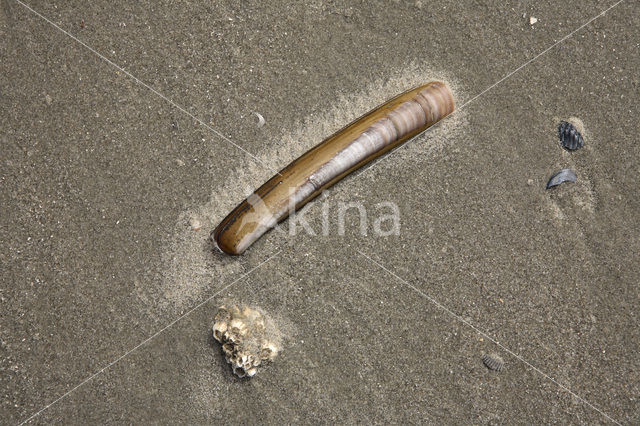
(127, 132)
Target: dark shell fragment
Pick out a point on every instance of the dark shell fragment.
(564, 175)
(493, 362)
(570, 137)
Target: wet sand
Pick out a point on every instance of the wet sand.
(102, 181)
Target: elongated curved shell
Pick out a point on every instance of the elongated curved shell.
(370, 136)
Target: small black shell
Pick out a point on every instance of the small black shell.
(561, 176)
(570, 137)
(493, 362)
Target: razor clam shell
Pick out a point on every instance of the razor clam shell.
(561, 176)
(363, 140)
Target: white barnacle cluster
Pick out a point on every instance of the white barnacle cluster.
(248, 338)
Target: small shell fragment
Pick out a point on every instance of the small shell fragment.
(570, 136)
(493, 362)
(194, 223)
(261, 120)
(248, 338)
(564, 175)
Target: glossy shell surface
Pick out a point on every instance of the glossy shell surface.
(370, 136)
(561, 176)
(569, 136)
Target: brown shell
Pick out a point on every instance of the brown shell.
(368, 137)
